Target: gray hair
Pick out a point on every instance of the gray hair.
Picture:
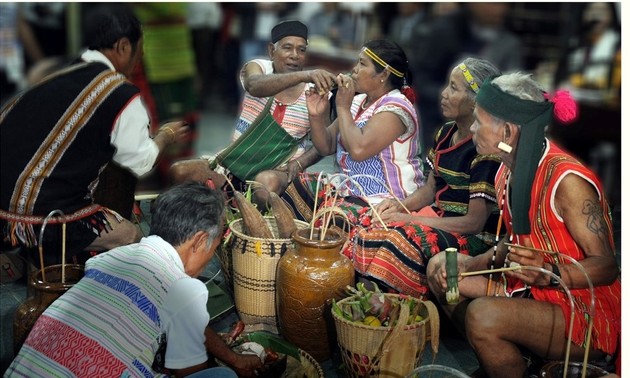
(520, 85)
(186, 209)
(480, 70)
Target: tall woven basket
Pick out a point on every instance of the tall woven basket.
(254, 262)
(369, 351)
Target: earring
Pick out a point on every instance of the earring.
(504, 147)
(382, 81)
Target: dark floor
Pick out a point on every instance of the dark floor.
(214, 132)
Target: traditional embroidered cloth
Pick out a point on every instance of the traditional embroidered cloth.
(461, 174)
(264, 145)
(62, 127)
(550, 233)
(396, 168)
(294, 117)
(108, 324)
(398, 257)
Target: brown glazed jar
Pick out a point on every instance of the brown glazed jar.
(42, 295)
(308, 277)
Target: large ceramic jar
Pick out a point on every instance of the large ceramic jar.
(309, 276)
(43, 293)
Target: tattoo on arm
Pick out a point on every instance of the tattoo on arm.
(595, 219)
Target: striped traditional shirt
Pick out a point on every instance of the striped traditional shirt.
(108, 324)
(397, 167)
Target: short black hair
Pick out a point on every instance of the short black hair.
(106, 24)
(185, 209)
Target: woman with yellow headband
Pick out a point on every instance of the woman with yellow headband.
(374, 137)
(376, 130)
(455, 208)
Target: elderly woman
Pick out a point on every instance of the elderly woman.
(553, 206)
(455, 208)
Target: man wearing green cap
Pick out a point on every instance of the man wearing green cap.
(554, 213)
(274, 89)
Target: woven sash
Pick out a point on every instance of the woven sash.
(264, 145)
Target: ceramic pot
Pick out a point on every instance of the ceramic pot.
(42, 295)
(309, 276)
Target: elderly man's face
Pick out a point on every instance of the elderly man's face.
(288, 54)
(486, 132)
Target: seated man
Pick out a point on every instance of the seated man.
(57, 136)
(554, 211)
(275, 88)
(149, 317)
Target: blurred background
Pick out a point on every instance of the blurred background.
(194, 51)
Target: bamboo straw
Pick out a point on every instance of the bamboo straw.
(63, 252)
(554, 253)
(319, 177)
(487, 271)
(494, 252)
(41, 240)
(41, 261)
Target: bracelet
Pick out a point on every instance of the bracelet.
(172, 133)
(553, 281)
(299, 164)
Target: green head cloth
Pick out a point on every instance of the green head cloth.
(532, 116)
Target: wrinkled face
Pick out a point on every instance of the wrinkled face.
(288, 54)
(365, 76)
(456, 101)
(487, 132)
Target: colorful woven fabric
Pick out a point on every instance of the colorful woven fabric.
(461, 174)
(551, 234)
(294, 120)
(108, 324)
(396, 170)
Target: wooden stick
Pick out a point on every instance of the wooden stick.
(532, 249)
(487, 271)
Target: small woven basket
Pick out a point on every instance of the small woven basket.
(254, 262)
(367, 351)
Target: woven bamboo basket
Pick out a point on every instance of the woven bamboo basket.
(254, 262)
(369, 351)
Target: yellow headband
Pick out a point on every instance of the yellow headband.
(473, 85)
(380, 61)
